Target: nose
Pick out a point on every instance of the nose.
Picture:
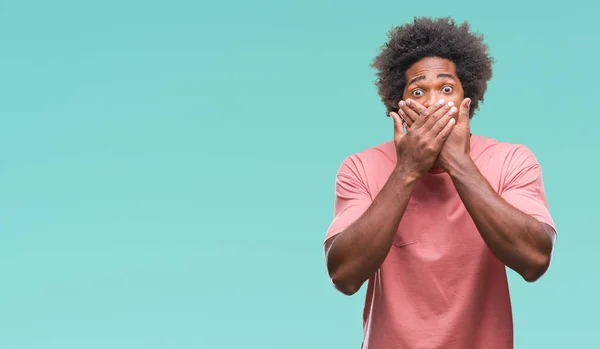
(431, 99)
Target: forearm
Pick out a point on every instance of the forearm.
(518, 240)
(355, 254)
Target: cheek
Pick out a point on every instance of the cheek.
(457, 97)
(460, 93)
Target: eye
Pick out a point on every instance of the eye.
(447, 89)
(418, 92)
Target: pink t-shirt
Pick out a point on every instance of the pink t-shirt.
(440, 286)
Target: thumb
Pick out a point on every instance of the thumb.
(465, 107)
(398, 126)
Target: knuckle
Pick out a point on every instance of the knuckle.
(444, 110)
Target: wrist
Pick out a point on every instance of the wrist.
(463, 166)
(404, 176)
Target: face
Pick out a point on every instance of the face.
(432, 79)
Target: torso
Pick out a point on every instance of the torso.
(440, 286)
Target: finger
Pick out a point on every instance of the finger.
(445, 132)
(406, 119)
(398, 128)
(409, 113)
(438, 114)
(402, 116)
(463, 116)
(424, 116)
(415, 106)
(441, 123)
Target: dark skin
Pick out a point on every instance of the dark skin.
(354, 255)
(429, 103)
(520, 241)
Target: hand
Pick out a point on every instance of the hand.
(419, 147)
(457, 147)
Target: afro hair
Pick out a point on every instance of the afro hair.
(426, 37)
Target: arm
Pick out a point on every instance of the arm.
(356, 253)
(520, 241)
(368, 228)
(515, 225)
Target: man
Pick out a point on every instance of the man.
(431, 219)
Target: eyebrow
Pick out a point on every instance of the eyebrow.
(441, 75)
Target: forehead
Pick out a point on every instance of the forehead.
(429, 67)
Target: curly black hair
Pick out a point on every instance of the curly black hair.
(426, 37)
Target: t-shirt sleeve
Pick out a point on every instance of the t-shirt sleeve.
(523, 185)
(351, 198)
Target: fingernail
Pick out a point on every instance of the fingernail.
(441, 102)
(469, 103)
(401, 103)
(452, 110)
(450, 103)
(408, 102)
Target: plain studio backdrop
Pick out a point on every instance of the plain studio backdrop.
(167, 167)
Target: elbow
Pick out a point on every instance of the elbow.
(540, 259)
(537, 268)
(345, 287)
(341, 274)
(343, 282)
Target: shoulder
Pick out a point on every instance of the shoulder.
(505, 153)
(380, 155)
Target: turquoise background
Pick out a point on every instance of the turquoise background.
(167, 167)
